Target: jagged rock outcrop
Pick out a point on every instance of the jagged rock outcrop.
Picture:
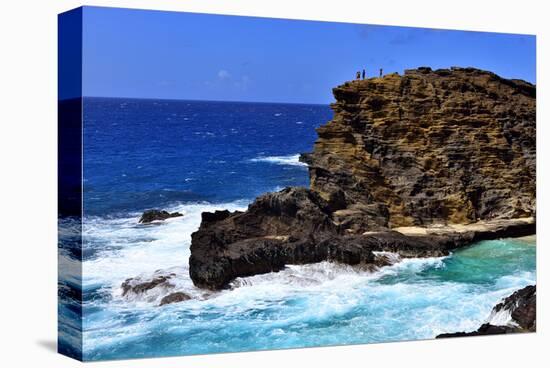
(451, 145)
(138, 285)
(296, 226)
(157, 215)
(432, 149)
(522, 307)
(293, 226)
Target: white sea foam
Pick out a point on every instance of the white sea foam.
(291, 160)
(501, 318)
(128, 249)
(389, 257)
(352, 305)
(322, 284)
(69, 268)
(513, 282)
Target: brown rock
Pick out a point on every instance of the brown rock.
(454, 145)
(174, 298)
(446, 147)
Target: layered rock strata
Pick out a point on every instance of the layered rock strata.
(451, 145)
(416, 164)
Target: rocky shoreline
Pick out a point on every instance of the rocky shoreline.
(416, 164)
(521, 307)
(294, 226)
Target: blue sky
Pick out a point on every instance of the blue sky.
(155, 54)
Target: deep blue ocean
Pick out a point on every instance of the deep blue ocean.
(148, 153)
(195, 156)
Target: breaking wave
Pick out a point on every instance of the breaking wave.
(291, 160)
(302, 305)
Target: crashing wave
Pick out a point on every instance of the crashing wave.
(290, 160)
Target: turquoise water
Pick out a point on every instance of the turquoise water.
(301, 306)
(191, 157)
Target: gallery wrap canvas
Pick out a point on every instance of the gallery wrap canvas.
(231, 184)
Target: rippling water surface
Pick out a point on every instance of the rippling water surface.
(201, 156)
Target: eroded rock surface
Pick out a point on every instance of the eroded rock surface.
(430, 148)
(451, 145)
(295, 226)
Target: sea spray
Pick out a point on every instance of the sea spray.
(200, 153)
(302, 305)
(292, 160)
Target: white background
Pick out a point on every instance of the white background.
(28, 143)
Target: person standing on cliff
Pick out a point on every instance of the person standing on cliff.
(381, 72)
(363, 73)
(358, 75)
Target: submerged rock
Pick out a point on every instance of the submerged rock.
(157, 215)
(443, 157)
(522, 307)
(137, 285)
(174, 298)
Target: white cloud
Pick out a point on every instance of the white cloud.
(223, 74)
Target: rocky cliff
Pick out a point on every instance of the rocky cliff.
(433, 149)
(446, 146)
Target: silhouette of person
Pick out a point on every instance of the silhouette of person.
(358, 75)
(363, 73)
(380, 72)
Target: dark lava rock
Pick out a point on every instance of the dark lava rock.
(138, 286)
(276, 228)
(485, 329)
(444, 147)
(174, 298)
(156, 215)
(522, 305)
(293, 226)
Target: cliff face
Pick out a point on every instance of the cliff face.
(452, 145)
(430, 147)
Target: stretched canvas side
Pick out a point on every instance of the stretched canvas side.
(70, 183)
